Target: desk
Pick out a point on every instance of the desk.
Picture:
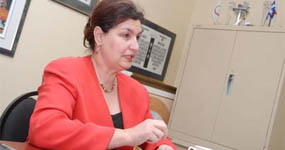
(26, 146)
(20, 145)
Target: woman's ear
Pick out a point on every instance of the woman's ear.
(98, 35)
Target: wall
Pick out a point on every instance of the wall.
(51, 31)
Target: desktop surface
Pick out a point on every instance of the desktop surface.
(17, 146)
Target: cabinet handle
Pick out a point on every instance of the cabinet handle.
(229, 83)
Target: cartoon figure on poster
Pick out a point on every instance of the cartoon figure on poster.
(3, 14)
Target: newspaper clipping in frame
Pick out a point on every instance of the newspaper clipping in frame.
(155, 46)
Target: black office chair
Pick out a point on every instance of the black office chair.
(14, 122)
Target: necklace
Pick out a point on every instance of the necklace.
(101, 84)
(108, 90)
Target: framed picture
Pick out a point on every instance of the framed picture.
(83, 6)
(12, 17)
(155, 46)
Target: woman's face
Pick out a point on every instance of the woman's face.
(120, 44)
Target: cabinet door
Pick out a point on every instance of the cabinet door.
(205, 72)
(246, 111)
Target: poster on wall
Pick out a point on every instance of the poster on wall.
(12, 17)
(155, 46)
(83, 6)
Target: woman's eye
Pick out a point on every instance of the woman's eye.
(138, 37)
(126, 35)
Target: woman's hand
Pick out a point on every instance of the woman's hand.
(165, 147)
(150, 131)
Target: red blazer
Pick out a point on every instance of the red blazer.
(71, 112)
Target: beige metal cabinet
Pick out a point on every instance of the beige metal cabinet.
(230, 88)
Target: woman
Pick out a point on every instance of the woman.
(86, 103)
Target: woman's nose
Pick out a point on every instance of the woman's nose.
(135, 44)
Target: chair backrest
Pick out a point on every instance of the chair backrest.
(14, 121)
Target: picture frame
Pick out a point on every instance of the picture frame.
(155, 47)
(12, 17)
(82, 6)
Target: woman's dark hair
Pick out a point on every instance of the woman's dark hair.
(107, 14)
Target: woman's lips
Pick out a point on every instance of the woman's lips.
(129, 57)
